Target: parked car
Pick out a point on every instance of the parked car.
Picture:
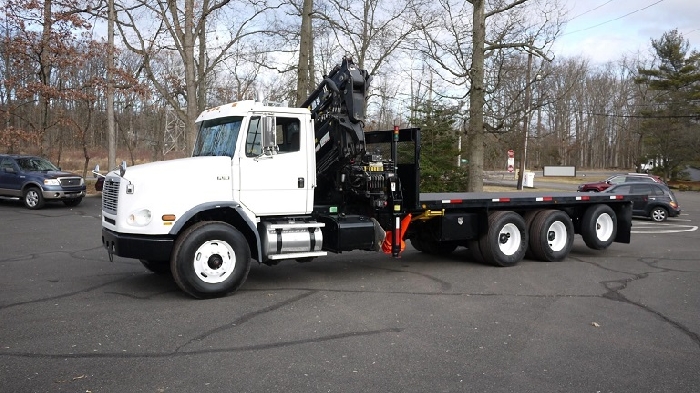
(619, 179)
(36, 180)
(659, 204)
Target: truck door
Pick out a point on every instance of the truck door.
(276, 182)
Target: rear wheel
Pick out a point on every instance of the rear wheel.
(529, 218)
(505, 240)
(658, 214)
(416, 243)
(599, 227)
(434, 247)
(551, 235)
(210, 259)
(33, 198)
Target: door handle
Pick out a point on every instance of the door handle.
(300, 182)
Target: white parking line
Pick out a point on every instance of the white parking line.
(669, 227)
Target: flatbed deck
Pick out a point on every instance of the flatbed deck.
(514, 200)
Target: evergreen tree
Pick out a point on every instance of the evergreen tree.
(671, 128)
(439, 149)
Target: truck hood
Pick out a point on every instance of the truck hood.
(181, 175)
(174, 186)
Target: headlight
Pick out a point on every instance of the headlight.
(139, 218)
(82, 181)
(52, 182)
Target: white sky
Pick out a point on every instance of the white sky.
(600, 31)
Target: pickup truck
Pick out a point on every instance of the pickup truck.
(36, 180)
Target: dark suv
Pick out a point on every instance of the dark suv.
(36, 180)
(659, 201)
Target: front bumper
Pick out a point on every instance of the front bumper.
(151, 248)
(60, 194)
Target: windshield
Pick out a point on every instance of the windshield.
(217, 137)
(36, 164)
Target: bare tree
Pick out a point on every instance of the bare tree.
(198, 34)
(461, 51)
(370, 30)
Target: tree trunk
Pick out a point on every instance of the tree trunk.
(305, 67)
(190, 80)
(475, 133)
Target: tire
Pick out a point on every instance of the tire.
(475, 251)
(417, 244)
(433, 247)
(551, 236)
(599, 227)
(658, 214)
(72, 202)
(33, 198)
(505, 241)
(529, 218)
(210, 259)
(158, 267)
(438, 248)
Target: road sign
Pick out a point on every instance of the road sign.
(511, 160)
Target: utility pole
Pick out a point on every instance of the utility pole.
(111, 134)
(523, 157)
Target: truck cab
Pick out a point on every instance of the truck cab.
(271, 151)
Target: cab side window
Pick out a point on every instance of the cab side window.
(288, 134)
(253, 142)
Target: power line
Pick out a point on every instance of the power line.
(591, 10)
(611, 20)
(643, 116)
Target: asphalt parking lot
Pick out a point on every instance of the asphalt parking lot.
(623, 320)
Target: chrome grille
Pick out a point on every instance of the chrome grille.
(110, 196)
(69, 181)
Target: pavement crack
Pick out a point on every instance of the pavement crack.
(245, 318)
(176, 353)
(445, 286)
(614, 288)
(65, 295)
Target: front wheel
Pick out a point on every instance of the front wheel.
(210, 259)
(33, 198)
(159, 267)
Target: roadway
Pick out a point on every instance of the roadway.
(622, 320)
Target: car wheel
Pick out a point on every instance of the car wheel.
(33, 199)
(72, 202)
(658, 214)
(210, 259)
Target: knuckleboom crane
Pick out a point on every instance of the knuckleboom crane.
(348, 175)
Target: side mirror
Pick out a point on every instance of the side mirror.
(269, 135)
(96, 171)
